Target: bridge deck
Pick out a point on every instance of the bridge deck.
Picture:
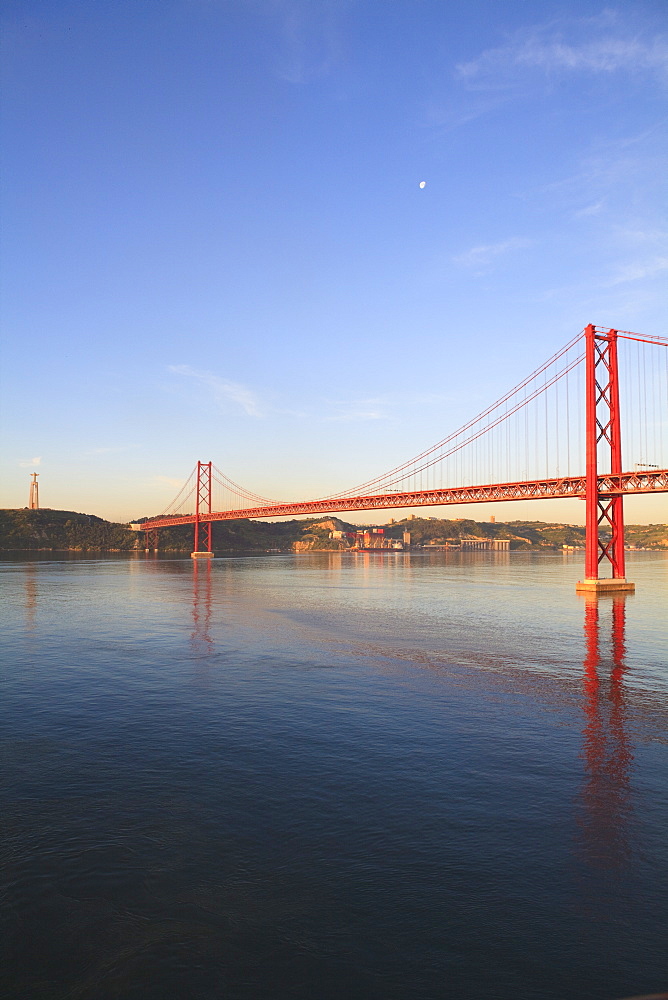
(622, 484)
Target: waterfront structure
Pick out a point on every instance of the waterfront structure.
(375, 540)
(486, 544)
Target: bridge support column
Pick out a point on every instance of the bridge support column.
(202, 548)
(603, 429)
(151, 540)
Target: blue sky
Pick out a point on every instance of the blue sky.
(216, 246)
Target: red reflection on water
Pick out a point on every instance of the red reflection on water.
(606, 746)
(201, 634)
(30, 581)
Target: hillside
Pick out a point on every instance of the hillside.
(61, 530)
(522, 534)
(64, 530)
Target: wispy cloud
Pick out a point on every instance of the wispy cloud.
(618, 182)
(538, 57)
(637, 270)
(112, 449)
(639, 253)
(28, 463)
(594, 209)
(222, 390)
(643, 237)
(546, 50)
(481, 258)
(310, 38)
(173, 484)
(361, 409)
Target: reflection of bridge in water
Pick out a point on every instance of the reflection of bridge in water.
(606, 749)
(202, 641)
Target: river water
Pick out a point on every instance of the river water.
(433, 775)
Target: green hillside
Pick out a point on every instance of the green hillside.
(59, 530)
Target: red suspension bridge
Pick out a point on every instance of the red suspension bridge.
(557, 434)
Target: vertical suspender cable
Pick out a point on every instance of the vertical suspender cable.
(567, 418)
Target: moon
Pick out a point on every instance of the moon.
(423, 184)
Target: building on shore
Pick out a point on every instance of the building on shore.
(486, 544)
(375, 539)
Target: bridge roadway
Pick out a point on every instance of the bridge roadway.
(621, 484)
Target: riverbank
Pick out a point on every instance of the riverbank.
(24, 530)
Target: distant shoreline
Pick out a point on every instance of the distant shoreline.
(52, 531)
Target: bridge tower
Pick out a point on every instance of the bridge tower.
(603, 437)
(203, 507)
(33, 503)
